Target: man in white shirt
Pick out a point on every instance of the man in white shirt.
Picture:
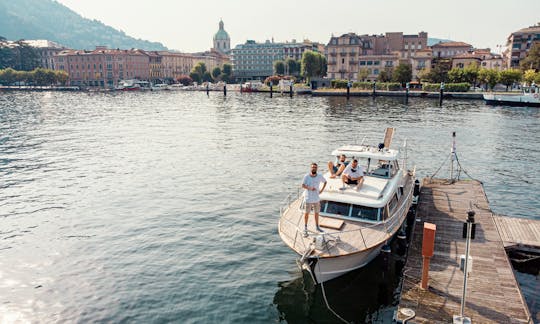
(311, 184)
(353, 174)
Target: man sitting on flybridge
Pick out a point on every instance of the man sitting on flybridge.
(353, 174)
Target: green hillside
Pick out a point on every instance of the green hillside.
(48, 19)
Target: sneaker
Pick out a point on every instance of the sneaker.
(319, 229)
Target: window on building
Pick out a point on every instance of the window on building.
(376, 71)
(342, 61)
(362, 62)
(369, 62)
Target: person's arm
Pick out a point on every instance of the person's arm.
(305, 186)
(324, 186)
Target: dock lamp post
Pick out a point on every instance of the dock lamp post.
(469, 229)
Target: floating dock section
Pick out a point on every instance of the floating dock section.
(493, 294)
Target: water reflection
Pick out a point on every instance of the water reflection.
(368, 294)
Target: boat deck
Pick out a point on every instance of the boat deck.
(493, 294)
(353, 236)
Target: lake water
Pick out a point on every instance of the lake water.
(163, 206)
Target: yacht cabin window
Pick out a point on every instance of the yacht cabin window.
(339, 209)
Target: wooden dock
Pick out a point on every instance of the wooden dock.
(518, 232)
(493, 294)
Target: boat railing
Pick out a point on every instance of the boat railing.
(293, 196)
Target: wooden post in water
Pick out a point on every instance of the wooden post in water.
(407, 93)
(207, 89)
(374, 88)
(225, 89)
(291, 91)
(348, 89)
(441, 94)
(271, 89)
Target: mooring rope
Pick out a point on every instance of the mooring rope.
(324, 296)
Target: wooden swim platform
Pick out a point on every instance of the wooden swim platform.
(493, 294)
(517, 232)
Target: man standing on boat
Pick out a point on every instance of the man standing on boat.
(311, 184)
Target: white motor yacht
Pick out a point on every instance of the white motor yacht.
(356, 222)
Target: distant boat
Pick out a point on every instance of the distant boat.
(160, 86)
(251, 86)
(529, 98)
(133, 85)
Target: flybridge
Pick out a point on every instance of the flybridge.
(366, 151)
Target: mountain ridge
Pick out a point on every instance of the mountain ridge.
(51, 20)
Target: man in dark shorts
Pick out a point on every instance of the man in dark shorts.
(353, 174)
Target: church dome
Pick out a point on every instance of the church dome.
(221, 33)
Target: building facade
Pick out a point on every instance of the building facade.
(102, 67)
(364, 57)
(46, 51)
(519, 43)
(255, 61)
(480, 57)
(450, 49)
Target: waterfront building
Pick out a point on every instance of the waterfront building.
(519, 43)
(363, 57)
(450, 49)
(46, 50)
(480, 57)
(175, 64)
(103, 67)
(254, 60)
(222, 41)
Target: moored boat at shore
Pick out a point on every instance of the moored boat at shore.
(357, 222)
(133, 85)
(529, 98)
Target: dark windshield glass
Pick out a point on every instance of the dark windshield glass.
(365, 212)
(336, 208)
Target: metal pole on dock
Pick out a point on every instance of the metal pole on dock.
(453, 156)
(461, 319)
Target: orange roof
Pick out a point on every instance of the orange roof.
(452, 44)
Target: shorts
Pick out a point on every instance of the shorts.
(316, 207)
(351, 182)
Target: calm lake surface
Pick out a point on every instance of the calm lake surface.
(163, 206)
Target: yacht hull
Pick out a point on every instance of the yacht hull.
(324, 269)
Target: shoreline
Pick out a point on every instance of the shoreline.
(300, 91)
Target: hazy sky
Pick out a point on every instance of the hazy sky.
(190, 25)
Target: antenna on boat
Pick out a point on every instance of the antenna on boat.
(405, 157)
(453, 156)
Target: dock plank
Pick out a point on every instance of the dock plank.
(493, 294)
(518, 231)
